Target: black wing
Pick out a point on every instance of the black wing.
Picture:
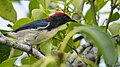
(33, 25)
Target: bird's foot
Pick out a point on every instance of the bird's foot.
(38, 48)
(30, 51)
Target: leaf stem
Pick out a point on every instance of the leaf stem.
(45, 4)
(65, 6)
(113, 5)
(93, 11)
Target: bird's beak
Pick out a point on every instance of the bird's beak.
(72, 20)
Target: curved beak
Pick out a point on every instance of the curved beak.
(72, 20)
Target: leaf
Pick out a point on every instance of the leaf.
(46, 47)
(34, 4)
(69, 46)
(21, 22)
(71, 25)
(8, 63)
(4, 31)
(114, 28)
(45, 3)
(15, 0)
(40, 14)
(115, 16)
(25, 66)
(4, 52)
(79, 5)
(28, 60)
(49, 61)
(66, 39)
(105, 46)
(89, 15)
(99, 4)
(119, 2)
(7, 11)
(17, 53)
(99, 38)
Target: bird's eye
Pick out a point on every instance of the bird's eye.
(66, 18)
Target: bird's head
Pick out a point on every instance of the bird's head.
(58, 18)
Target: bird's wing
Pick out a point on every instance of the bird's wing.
(40, 28)
(34, 25)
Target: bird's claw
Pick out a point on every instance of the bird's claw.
(30, 51)
(38, 48)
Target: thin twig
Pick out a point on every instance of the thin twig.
(82, 5)
(20, 46)
(113, 5)
(93, 11)
(45, 6)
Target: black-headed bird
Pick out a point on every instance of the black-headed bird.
(38, 31)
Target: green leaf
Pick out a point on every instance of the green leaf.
(4, 31)
(28, 60)
(79, 5)
(46, 47)
(25, 66)
(69, 46)
(21, 22)
(71, 25)
(4, 52)
(115, 16)
(89, 15)
(44, 3)
(17, 53)
(7, 11)
(99, 38)
(15, 0)
(40, 14)
(114, 28)
(8, 63)
(99, 4)
(49, 61)
(34, 4)
(66, 39)
(105, 46)
(119, 2)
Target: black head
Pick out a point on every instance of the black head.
(57, 19)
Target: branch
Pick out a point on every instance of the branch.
(93, 11)
(113, 5)
(87, 54)
(82, 5)
(20, 46)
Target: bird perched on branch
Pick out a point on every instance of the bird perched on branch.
(39, 31)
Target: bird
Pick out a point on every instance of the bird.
(55, 20)
(36, 32)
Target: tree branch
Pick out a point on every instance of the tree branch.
(113, 5)
(93, 11)
(20, 46)
(87, 53)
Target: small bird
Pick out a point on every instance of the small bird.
(53, 21)
(38, 31)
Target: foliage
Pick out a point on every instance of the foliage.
(7, 11)
(8, 62)
(4, 53)
(60, 47)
